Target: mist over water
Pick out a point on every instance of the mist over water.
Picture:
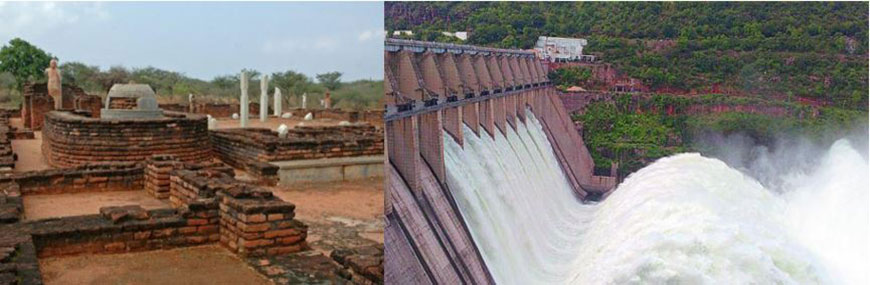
(685, 219)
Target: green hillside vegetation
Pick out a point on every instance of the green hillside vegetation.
(174, 87)
(776, 49)
(616, 132)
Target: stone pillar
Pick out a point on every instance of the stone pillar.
(278, 102)
(190, 103)
(327, 102)
(264, 98)
(243, 101)
(304, 99)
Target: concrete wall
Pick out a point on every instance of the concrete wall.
(434, 87)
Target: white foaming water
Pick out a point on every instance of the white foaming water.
(685, 219)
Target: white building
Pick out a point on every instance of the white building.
(562, 49)
(460, 35)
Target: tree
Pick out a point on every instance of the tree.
(24, 61)
(252, 74)
(225, 81)
(115, 74)
(292, 82)
(78, 73)
(161, 80)
(330, 80)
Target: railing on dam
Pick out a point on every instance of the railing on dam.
(435, 88)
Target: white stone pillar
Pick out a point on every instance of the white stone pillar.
(190, 103)
(278, 102)
(243, 101)
(264, 98)
(304, 98)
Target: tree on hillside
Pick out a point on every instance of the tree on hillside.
(252, 74)
(80, 74)
(292, 82)
(24, 61)
(115, 74)
(330, 80)
(226, 82)
(163, 81)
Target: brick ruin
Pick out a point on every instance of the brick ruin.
(253, 148)
(7, 157)
(170, 158)
(208, 206)
(73, 140)
(37, 103)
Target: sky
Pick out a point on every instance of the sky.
(204, 40)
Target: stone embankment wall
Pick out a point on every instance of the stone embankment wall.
(249, 148)
(72, 140)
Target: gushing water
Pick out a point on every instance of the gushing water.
(685, 219)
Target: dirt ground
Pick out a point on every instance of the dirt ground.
(29, 154)
(358, 199)
(339, 214)
(210, 264)
(63, 205)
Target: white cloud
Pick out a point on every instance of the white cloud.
(371, 34)
(325, 43)
(17, 18)
(321, 43)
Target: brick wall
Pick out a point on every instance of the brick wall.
(7, 157)
(121, 229)
(252, 220)
(18, 263)
(11, 205)
(209, 206)
(37, 103)
(175, 107)
(251, 149)
(90, 104)
(365, 264)
(373, 117)
(122, 103)
(158, 168)
(215, 109)
(255, 223)
(71, 140)
(86, 178)
(302, 142)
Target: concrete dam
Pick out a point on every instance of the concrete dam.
(488, 182)
(441, 98)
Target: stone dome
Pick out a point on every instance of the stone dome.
(131, 91)
(131, 101)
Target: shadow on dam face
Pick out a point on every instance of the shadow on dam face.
(442, 96)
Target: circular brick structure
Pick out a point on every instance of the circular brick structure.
(73, 140)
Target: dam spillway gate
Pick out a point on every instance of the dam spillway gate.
(432, 90)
